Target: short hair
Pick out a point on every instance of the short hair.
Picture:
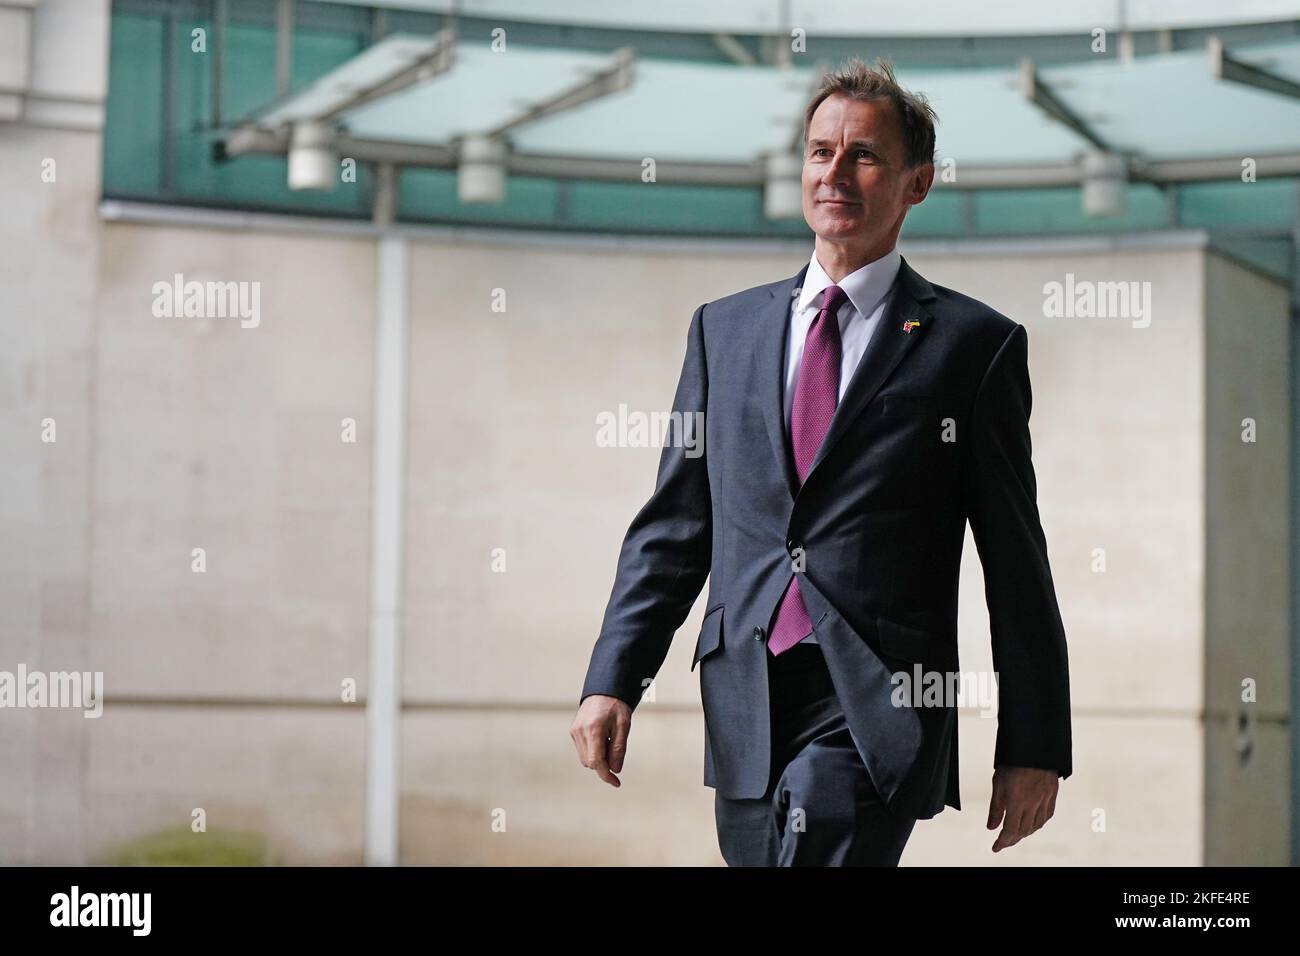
(858, 81)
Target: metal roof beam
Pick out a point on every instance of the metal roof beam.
(734, 49)
(438, 60)
(284, 30)
(611, 78)
(1042, 96)
(1224, 66)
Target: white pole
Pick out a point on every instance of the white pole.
(383, 700)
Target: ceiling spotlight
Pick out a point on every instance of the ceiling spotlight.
(1105, 184)
(313, 161)
(482, 172)
(783, 186)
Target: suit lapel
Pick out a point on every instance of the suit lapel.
(886, 350)
(888, 346)
(773, 327)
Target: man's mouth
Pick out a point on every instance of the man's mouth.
(838, 202)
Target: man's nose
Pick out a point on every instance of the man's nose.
(835, 170)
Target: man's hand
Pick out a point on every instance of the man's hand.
(600, 731)
(1027, 796)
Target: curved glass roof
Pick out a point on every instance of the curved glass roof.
(1169, 106)
(1161, 107)
(706, 118)
(854, 18)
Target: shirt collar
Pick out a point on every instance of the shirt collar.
(865, 288)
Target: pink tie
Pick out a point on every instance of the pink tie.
(815, 396)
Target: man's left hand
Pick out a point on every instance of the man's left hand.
(1026, 797)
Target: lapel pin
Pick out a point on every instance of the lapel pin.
(910, 324)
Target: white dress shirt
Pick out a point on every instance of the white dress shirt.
(868, 291)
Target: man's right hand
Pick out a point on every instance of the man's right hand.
(600, 731)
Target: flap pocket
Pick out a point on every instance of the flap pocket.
(902, 405)
(911, 643)
(710, 635)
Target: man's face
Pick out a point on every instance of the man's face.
(856, 182)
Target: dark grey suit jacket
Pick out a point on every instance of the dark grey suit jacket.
(880, 523)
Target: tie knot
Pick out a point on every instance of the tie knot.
(833, 297)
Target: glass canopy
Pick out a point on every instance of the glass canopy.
(1161, 107)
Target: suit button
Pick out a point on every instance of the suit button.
(758, 633)
(790, 545)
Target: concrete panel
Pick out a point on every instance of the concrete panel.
(15, 49)
(505, 788)
(1247, 596)
(295, 776)
(49, 249)
(1136, 798)
(503, 453)
(1116, 428)
(228, 438)
(70, 49)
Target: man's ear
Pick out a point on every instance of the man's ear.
(920, 183)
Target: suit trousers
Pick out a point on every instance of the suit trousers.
(820, 808)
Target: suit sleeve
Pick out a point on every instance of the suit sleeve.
(1029, 651)
(667, 551)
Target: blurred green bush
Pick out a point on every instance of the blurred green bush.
(181, 846)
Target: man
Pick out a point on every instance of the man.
(855, 416)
